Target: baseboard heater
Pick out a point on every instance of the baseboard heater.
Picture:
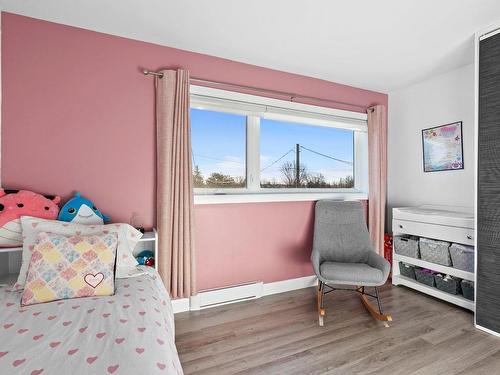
(223, 296)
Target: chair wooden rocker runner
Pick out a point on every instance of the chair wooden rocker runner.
(343, 255)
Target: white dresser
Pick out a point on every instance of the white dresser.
(444, 223)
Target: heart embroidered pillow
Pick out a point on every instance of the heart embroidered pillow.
(128, 237)
(63, 267)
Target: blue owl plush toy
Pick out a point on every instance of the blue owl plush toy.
(81, 210)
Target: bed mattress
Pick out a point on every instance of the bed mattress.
(131, 332)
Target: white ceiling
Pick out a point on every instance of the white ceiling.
(382, 45)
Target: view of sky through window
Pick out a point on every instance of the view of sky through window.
(219, 153)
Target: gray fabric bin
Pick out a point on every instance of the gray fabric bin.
(407, 246)
(407, 270)
(425, 276)
(468, 289)
(450, 285)
(462, 257)
(435, 251)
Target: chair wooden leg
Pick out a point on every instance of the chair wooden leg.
(321, 310)
(379, 315)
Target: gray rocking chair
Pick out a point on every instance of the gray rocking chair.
(343, 255)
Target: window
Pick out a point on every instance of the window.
(304, 156)
(246, 144)
(218, 145)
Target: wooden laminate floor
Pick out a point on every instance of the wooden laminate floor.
(280, 335)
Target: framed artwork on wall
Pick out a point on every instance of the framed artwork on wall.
(443, 147)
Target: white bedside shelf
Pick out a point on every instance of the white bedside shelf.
(10, 249)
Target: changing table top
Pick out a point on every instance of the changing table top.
(442, 215)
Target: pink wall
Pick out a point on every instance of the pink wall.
(77, 114)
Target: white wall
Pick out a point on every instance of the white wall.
(440, 100)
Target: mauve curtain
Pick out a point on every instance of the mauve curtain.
(377, 174)
(174, 184)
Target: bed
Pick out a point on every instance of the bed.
(131, 332)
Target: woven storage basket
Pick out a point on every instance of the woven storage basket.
(462, 257)
(407, 246)
(407, 270)
(468, 289)
(435, 251)
(449, 285)
(425, 276)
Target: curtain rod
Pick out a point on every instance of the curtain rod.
(258, 89)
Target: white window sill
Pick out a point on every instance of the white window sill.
(200, 199)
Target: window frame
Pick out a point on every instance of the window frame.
(257, 107)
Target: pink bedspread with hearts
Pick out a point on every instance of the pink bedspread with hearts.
(131, 332)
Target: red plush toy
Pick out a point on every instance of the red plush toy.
(17, 203)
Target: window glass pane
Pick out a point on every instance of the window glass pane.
(325, 160)
(219, 149)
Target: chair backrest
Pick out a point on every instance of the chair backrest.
(340, 232)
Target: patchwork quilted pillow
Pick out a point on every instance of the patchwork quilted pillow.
(127, 240)
(64, 267)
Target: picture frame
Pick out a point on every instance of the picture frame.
(442, 148)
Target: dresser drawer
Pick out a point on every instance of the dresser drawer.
(441, 232)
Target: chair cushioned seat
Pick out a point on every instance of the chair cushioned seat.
(351, 274)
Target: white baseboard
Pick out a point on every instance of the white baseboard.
(238, 293)
(487, 330)
(180, 305)
(289, 285)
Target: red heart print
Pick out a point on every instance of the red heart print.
(139, 350)
(141, 289)
(100, 335)
(112, 369)
(119, 340)
(9, 304)
(52, 317)
(37, 313)
(18, 362)
(75, 307)
(123, 321)
(3, 353)
(142, 313)
(126, 285)
(83, 329)
(126, 306)
(67, 323)
(91, 360)
(106, 315)
(37, 337)
(60, 303)
(110, 302)
(161, 342)
(142, 329)
(105, 231)
(34, 225)
(54, 344)
(37, 372)
(22, 330)
(72, 351)
(8, 325)
(90, 311)
(161, 366)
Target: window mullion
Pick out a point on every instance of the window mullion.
(253, 153)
